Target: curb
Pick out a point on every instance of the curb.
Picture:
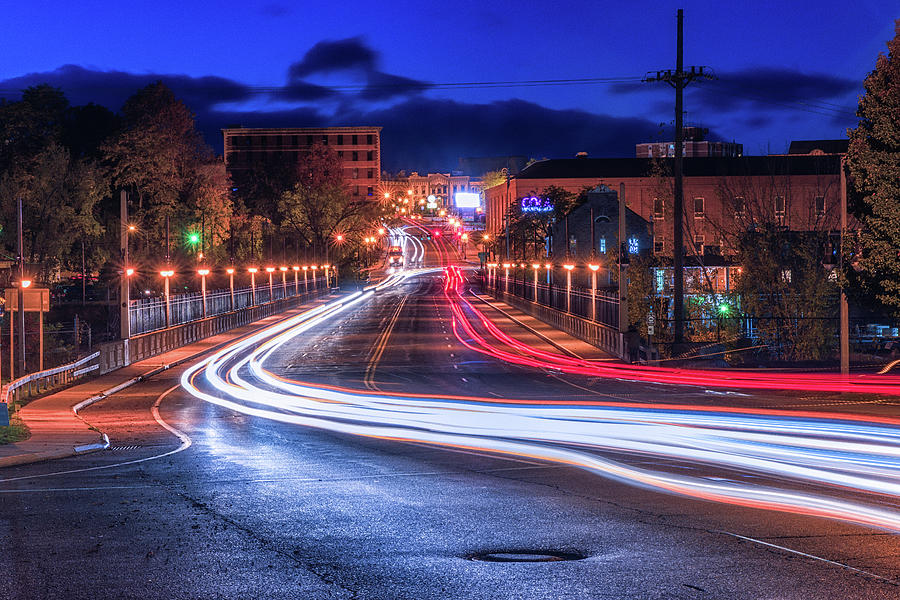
(33, 457)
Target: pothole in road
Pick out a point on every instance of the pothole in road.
(525, 556)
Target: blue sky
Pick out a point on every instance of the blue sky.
(787, 70)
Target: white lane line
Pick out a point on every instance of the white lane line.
(812, 556)
(154, 410)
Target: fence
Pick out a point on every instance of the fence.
(599, 307)
(570, 310)
(41, 381)
(149, 314)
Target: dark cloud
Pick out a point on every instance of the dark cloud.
(335, 55)
(273, 9)
(384, 86)
(112, 88)
(759, 88)
(304, 92)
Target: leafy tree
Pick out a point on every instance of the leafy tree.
(493, 178)
(873, 160)
(30, 124)
(320, 206)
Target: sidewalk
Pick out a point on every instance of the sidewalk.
(58, 432)
(535, 332)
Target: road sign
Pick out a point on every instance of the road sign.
(650, 329)
(36, 299)
(651, 320)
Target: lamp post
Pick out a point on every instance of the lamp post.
(203, 273)
(271, 270)
(537, 268)
(283, 281)
(594, 268)
(315, 283)
(252, 271)
(465, 241)
(296, 283)
(506, 267)
(166, 275)
(230, 271)
(326, 274)
(568, 268)
(305, 280)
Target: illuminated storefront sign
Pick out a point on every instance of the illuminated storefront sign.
(535, 204)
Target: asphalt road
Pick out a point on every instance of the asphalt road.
(258, 509)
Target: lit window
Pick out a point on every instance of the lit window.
(660, 280)
(633, 246)
(603, 245)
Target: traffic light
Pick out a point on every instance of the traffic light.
(193, 238)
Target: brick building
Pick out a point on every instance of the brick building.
(694, 145)
(417, 188)
(358, 147)
(798, 191)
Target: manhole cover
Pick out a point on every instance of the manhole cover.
(526, 556)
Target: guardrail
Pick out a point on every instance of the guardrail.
(37, 383)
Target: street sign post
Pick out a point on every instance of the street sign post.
(33, 300)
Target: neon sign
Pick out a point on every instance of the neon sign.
(535, 204)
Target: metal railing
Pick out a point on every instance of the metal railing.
(37, 383)
(149, 314)
(600, 307)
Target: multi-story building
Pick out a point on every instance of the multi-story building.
(694, 146)
(800, 192)
(358, 147)
(441, 186)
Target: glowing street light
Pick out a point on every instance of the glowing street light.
(506, 266)
(271, 270)
(230, 271)
(537, 269)
(305, 281)
(594, 268)
(253, 271)
(167, 273)
(315, 283)
(296, 283)
(568, 268)
(203, 273)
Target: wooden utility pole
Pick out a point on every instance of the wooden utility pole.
(124, 280)
(679, 79)
(21, 291)
(845, 308)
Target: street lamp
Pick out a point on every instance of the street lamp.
(315, 283)
(506, 266)
(465, 241)
(253, 271)
(537, 268)
(271, 270)
(594, 268)
(305, 281)
(166, 275)
(283, 281)
(230, 271)
(296, 283)
(568, 268)
(203, 273)
(326, 274)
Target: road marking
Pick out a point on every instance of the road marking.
(154, 410)
(380, 345)
(812, 556)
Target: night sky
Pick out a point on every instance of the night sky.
(787, 70)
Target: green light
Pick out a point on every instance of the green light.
(194, 238)
(724, 309)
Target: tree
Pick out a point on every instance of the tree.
(873, 160)
(493, 178)
(320, 206)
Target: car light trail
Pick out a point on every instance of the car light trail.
(832, 452)
(533, 357)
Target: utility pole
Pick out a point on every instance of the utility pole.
(124, 280)
(21, 294)
(679, 79)
(845, 308)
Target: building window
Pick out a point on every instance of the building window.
(698, 208)
(340, 140)
(354, 139)
(295, 141)
(370, 155)
(779, 210)
(370, 139)
(739, 206)
(309, 140)
(573, 245)
(698, 242)
(603, 245)
(657, 209)
(325, 140)
(820, 206)
(658, 246)
(340, 154)
(370, 174)
(660, 280)
(355, 173)
(355, 155)
(633, 245)
(369, 191)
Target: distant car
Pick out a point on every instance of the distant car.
(395, 256)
